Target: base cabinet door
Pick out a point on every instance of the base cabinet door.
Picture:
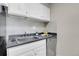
(28, 53)
(40, 51)
(37, 48)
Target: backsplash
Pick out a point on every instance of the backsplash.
(20, 25)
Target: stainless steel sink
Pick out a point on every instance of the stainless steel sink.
(21, 40)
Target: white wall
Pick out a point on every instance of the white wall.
(67, 17)
(52, 26)
(20, 25)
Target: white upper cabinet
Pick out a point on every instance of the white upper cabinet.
(17, 9)
(31, 10)
(35, 10)
(46, 13)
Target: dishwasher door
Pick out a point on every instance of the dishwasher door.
(51, 46)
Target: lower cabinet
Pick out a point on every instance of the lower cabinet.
(41, 51)
(28, 53)
(37, 48)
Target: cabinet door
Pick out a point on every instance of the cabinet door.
(35, 10)
(28, 53)
(38, 11)
(40, 51)
(27, 9)
(46, 13)
(20, 50)
(17, 9)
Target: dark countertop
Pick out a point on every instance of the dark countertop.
(23, 43)
(34, 39)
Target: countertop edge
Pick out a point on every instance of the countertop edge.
(25, 43)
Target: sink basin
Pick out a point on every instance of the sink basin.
(21, 40)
